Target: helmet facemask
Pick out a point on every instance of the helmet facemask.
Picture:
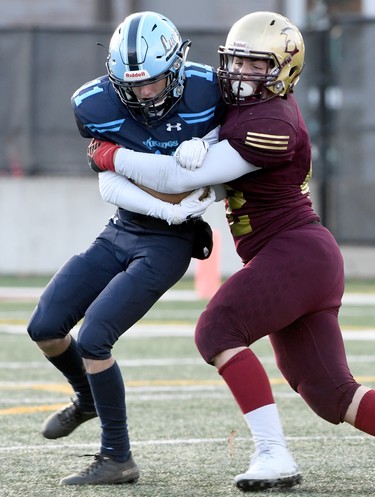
(151, 110)
(236, 86)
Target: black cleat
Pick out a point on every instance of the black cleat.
(105, 471)
(61, 423)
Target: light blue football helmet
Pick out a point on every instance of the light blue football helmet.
(146, 47)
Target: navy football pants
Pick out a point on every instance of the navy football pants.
(111, 285)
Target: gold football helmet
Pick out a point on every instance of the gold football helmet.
(266, 36)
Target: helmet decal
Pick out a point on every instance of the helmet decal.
(169, 45)
(136, 75)
(132, 45)
(290, 44)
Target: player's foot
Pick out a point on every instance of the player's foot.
(61, 423)
(271, 466)
(104, 471)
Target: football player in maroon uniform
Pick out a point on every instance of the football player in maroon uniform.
(291, 285)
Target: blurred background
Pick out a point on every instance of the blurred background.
(50, 206)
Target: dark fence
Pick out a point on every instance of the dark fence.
(41, 68)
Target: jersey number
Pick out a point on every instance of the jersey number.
(239, 225)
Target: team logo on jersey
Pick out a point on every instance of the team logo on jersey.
(152, 144)
(177, 126)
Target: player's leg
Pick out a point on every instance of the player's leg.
(225, 326)
(272, 464)
(127, 298)
(315, 359)
(62, 305)
(158, 262)
(311, 355)
(361, 410)
(279, 285)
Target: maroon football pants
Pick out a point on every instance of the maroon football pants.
(291, 290)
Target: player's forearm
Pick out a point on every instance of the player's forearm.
(120, 191)
(146, 169)
(164, 174)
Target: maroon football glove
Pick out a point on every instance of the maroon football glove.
(100, 155)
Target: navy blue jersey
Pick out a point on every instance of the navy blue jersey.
(100, 114)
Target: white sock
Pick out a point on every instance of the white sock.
(265, 425)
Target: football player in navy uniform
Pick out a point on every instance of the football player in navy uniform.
(292, 281)
(151, 100)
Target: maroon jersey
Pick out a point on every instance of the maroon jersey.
(273, 136)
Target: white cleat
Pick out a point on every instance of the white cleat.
(271, 466)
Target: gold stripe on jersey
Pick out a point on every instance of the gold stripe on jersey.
(268, 142)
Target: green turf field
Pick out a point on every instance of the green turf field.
(188, 436)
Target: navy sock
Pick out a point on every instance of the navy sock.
(70, 364)
(109, 394)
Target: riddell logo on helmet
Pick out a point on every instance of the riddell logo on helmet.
(240, 44)
(136, 75)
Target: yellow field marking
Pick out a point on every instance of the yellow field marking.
(31, 409)
(63, 388)
(48, 387)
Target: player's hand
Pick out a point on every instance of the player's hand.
(191, 153)
(193, 206)
(100, 155)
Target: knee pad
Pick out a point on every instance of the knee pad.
(42, 328)
(329, 403)
(93, 345)
(216, 332)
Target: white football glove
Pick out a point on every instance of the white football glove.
(191, 153)
(192, 206)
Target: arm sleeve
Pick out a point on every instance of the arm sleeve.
(212, 136)
(119, 191)
(162, 173)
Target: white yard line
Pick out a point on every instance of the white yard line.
(136, 331)
(33, 293)
(179, 330)
(177, 441)
(161, 362)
